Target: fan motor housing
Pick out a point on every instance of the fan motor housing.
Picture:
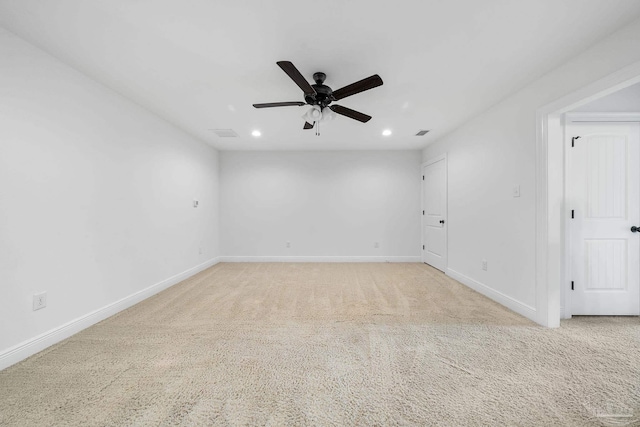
(324, 93)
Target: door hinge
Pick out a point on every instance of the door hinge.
(423, 177)
(573, 140)
(423, 247)
(422, 212)
(572, 285)
(573, 214)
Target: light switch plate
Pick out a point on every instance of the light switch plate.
(516, 191)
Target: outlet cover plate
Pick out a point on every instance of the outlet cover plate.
(39, 301)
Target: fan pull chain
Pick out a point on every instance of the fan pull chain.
(317, 128)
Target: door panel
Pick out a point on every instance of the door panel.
(606, 176)
(606, 261)
(434, 218)
(604, 191)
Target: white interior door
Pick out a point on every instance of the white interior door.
(604, 196)
(434, 204)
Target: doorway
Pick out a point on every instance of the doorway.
(552, 255)
(434, 212)
(603, 195)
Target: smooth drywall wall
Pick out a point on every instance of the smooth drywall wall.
(495, 152)
(332, 205)
(96, 195)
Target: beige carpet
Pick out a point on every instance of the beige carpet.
(329, 345)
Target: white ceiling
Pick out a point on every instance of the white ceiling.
(201, 64)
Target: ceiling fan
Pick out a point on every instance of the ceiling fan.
(319, 96)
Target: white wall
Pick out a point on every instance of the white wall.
(327, 204)
(626, 100)
(95, 197)
(495, 151)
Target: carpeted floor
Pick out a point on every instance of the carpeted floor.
(329, 345)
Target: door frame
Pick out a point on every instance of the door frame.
(551, 251)
(569, 119)
(446, 206)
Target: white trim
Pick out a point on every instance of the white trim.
(509, 302)
(602, 117)
(36, 344)
(320, 259)
(550, 265)
(446, 206)
(614, 82)
(565, 294)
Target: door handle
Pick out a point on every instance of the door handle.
(442, 222)
(635, 229)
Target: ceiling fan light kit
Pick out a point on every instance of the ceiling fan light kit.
(319, 96)
(313, 115)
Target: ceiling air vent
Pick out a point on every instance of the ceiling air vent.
(422, 133)
(225, 133)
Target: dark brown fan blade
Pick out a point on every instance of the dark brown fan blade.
(279, 104)
(308, 125)
(357, 87)
(295, 75)
(352, 114)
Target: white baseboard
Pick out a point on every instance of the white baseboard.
(32, 346)
(320, 259)
(511, 303)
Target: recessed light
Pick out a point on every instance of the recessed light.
(386, 132)
(256, 133)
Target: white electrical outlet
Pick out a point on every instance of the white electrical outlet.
(484, 264)
(195, 203)
(39, 301)
(288, 244)
(376, 245)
